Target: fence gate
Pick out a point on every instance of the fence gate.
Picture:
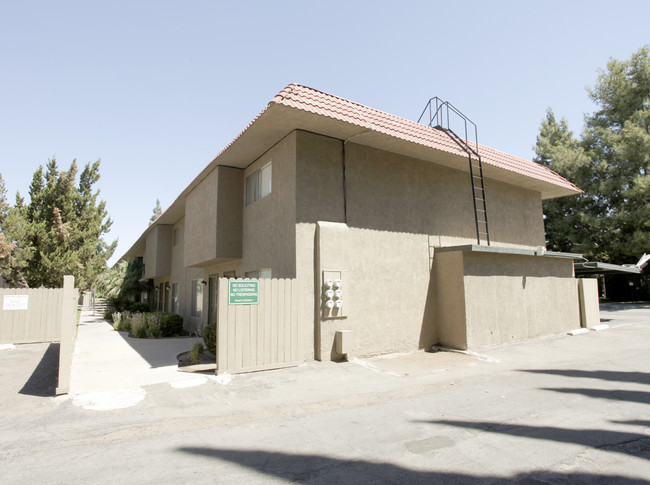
(257, 325)
(42, 315)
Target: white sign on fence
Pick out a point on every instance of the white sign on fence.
(15, 302)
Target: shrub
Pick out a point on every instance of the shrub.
(171, 324)
(153, 330)
(108, 313)
(196, 352)
(138, 325)
(139, 328)
(124, 304)
(210, 337)
(123, 326)
(139, 307)
(134, 318)
(119, 304)
(122, 321)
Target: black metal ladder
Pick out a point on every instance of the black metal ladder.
(441, 115)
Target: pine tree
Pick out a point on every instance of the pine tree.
(157, 211)
(59, 232)
(4, 206)
(610, 161)
(15, 248)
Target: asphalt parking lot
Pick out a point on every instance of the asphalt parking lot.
(561, 409)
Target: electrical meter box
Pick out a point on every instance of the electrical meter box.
(333, 295)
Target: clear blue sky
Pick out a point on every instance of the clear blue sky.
(157, 88)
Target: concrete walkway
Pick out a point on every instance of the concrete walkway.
(105, 360)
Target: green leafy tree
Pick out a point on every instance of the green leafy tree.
(110, 282)
(157, 211)
(124, 281)
(610, 161)
(15, 249)
(4, 205)
(59, 232)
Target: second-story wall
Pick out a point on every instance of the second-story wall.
(391, 192)
(213, 218)
(269, 229)
(157, 257)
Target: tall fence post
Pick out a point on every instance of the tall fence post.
(68, 331)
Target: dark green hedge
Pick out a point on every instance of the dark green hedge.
(171, 324)
(210, 337)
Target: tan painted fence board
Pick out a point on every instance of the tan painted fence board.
(262, 336)
(48, 316)
(40, 322)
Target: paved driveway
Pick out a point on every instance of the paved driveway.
(556, 410)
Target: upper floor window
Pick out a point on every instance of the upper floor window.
(258, 184)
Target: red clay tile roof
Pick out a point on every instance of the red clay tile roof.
(311, 100)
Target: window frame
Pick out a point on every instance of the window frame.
(175, 303)
(259, 184)
(264, 273)
(197, 299)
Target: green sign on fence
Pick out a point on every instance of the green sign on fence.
(243, 292)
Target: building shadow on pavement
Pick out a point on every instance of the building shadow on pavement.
(615, 306)
(160, 352)
(299, 468)
(613, 394)
(634, 444)
(642, 397)
(603, 375)
(45, 378)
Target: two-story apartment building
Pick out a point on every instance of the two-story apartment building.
(320, 188)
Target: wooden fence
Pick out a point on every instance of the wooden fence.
(261, 334)
(42, 315)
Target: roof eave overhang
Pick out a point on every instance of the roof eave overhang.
(278, 120)
(595, 268)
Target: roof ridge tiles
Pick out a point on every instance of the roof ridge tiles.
(303, 97)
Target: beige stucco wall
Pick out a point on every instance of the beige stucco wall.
(201, 221)
(308, 288)
(319, 197)
(230, 207)
(515, 216)
(589, 302)
(388, 292)
(388, 299)
(269, 229)
(157, 257)
(390, 192)
(449, 299)
(319, 178)
(332, 256)
(398, 209)
(213, 218)
(178, 266)
(512, 298)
